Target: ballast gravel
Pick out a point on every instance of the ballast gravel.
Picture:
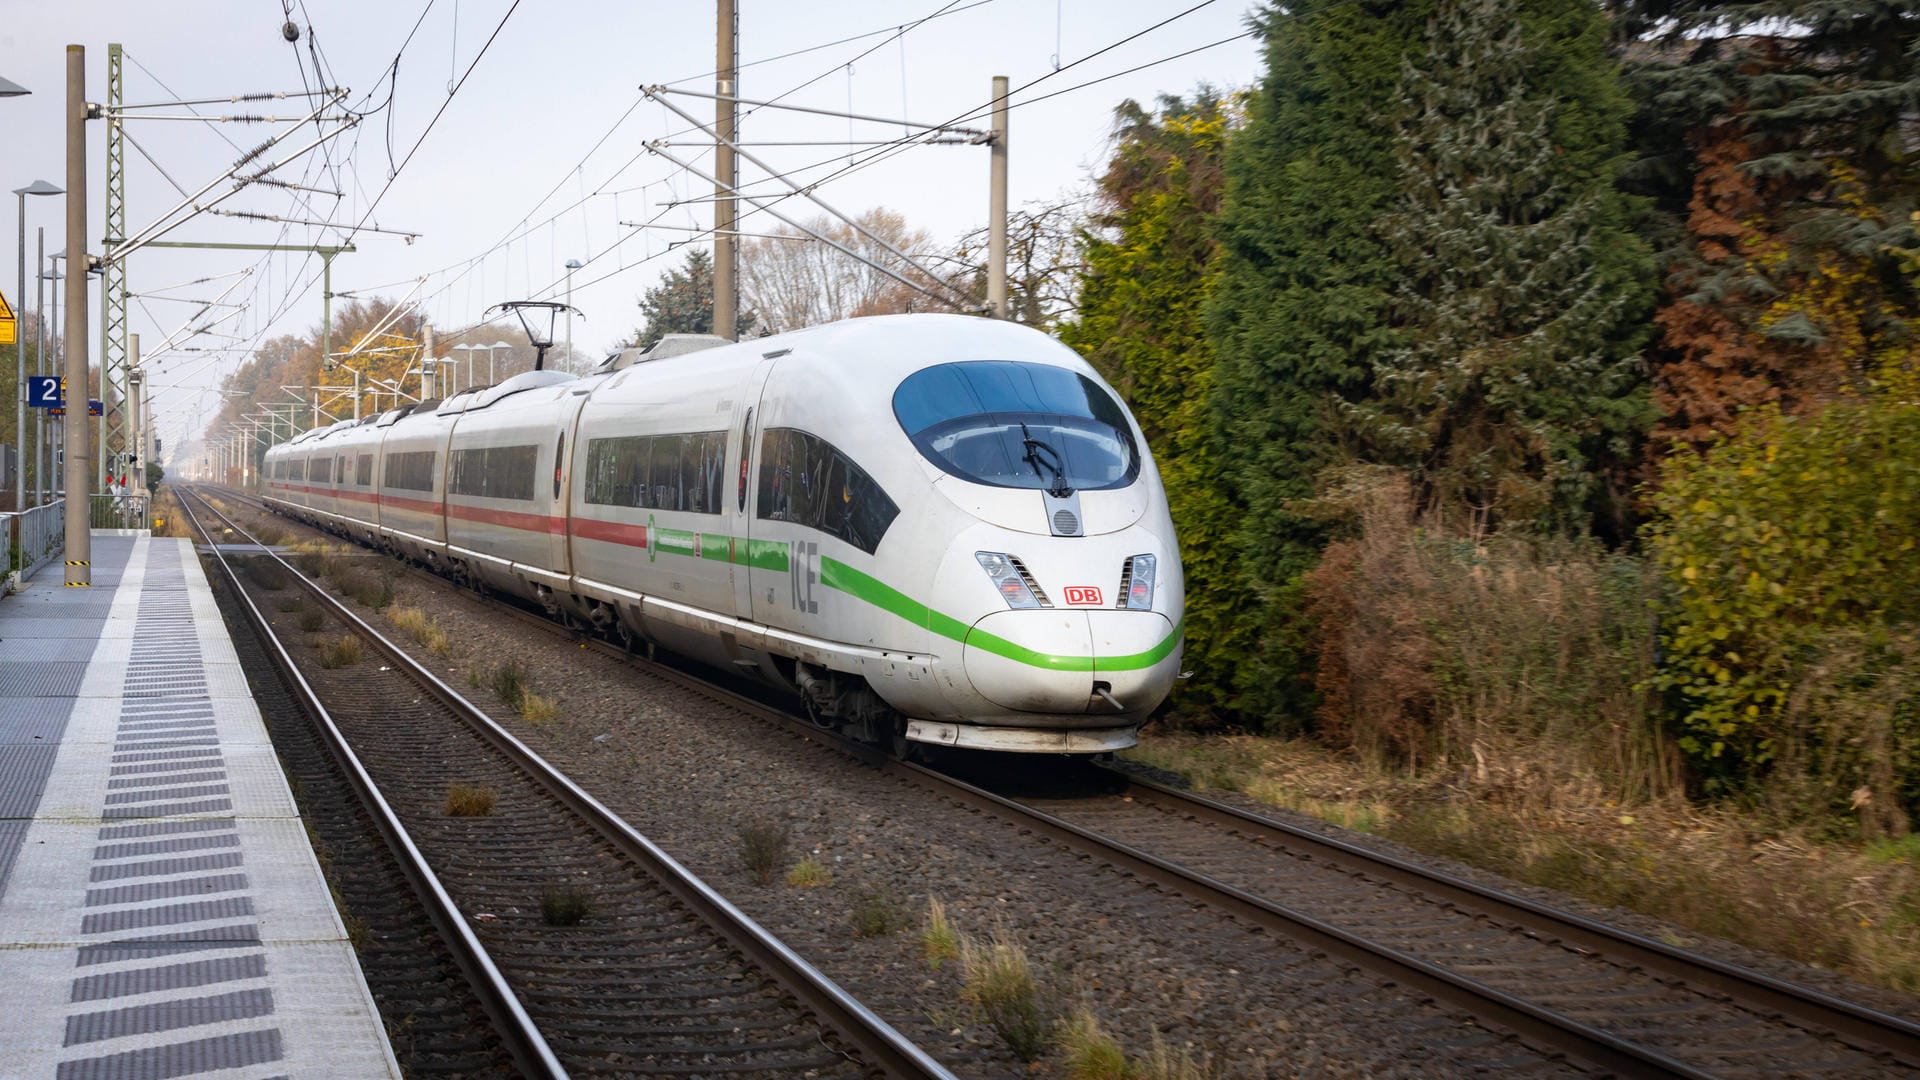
(692, 773)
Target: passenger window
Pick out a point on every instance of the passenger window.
(805, 480)
(499, 472)
(657, 472)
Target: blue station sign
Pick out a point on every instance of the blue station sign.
(46, 391)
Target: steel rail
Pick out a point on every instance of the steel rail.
(1540, 1027)
(880, 1045)
(525, 1045)
(1867, 1029)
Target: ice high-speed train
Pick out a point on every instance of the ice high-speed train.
(933, 528)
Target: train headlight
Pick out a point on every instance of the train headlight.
(1007, 579)
(1139, 583)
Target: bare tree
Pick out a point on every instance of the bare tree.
(791, 280)
(1046, 255)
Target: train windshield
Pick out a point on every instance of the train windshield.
(1018, 425)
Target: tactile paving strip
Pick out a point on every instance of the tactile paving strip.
(167, 762)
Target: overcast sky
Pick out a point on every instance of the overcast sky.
(542, 151)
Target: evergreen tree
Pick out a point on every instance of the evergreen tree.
(683, 303)
(1776, 134)
(1148, 270)
(1521, 292)
(1300, 316)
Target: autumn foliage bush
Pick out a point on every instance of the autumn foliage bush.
(1517, 661)
(1791, 603)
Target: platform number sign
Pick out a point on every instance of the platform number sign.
(45, 391)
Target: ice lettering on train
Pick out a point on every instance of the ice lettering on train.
(806, 571)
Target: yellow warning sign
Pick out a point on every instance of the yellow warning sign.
(8, 327)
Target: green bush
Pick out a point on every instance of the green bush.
(1770, 544)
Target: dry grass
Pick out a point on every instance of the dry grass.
(1518, 661)
(809, 873)
(420, 626)
(1087, 1052)
(535, 709)
(939, 940)
(343, 651)
(1851, 907)
(1288, 775)
(1165, 1062)
(997, 979)
(468, 800)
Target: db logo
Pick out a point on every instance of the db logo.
(1082, 594)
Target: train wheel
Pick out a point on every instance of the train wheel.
(902, 748)
(814, 715)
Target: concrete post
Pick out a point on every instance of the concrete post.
(997, 206)
(79, 541)
(20, 372)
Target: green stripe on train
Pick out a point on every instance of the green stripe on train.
(838, 575)
(834, 574)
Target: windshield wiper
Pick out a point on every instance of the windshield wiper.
(1058, 488)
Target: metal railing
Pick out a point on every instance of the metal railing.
(117, 512)
(35, 536)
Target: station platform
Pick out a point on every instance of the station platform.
(161, 911)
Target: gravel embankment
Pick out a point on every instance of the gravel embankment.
(691, 772)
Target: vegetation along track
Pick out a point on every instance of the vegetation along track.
(427, 999)
(627, 963)
(1606, 999)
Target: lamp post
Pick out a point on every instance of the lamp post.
(572, 265)
(46, 428)
(9, 88)
(38, 187)
(490, 348)
(453, 383)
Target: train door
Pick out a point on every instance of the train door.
(560, 488)
(746, 430)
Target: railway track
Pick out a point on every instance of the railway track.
(593, 950)
(1604, 999)
(1609, 999)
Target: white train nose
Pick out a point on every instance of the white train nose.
(1048, 661)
